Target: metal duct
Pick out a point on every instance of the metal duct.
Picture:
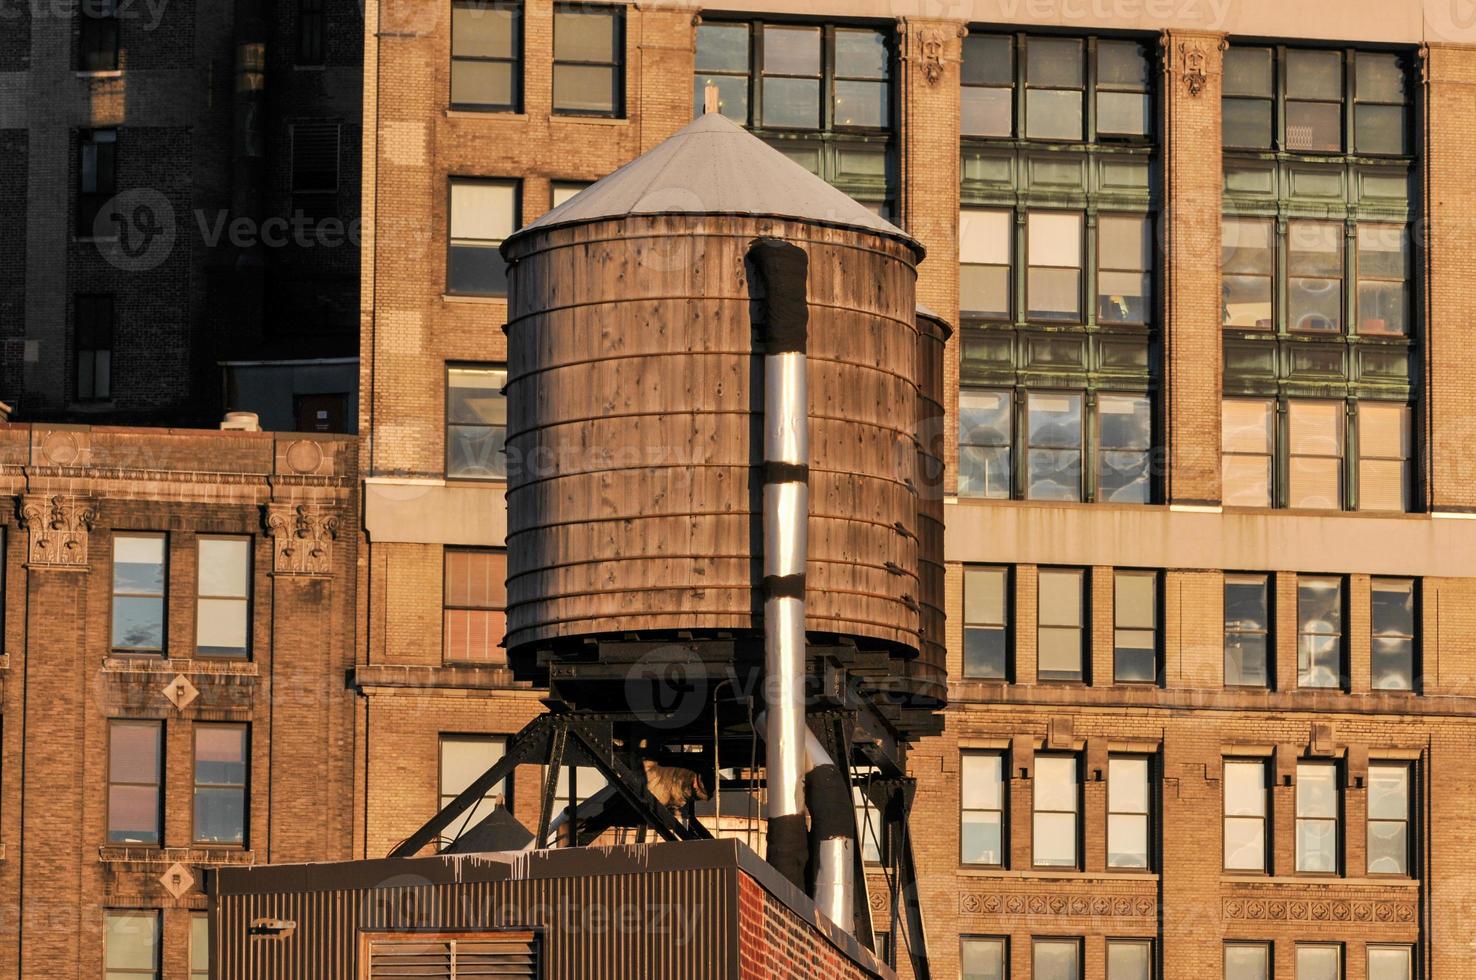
(782, 270)
(832, 835)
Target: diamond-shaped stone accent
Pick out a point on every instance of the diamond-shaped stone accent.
(180, 691)
(177, 880)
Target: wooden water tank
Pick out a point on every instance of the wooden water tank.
(635, 404)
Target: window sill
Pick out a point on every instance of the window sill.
(309, 67)
(597, 120)
(104, 73)
(162, 857)
(1316, 880)
(125, 663)
(498, 114)
(466, 298)
(1040, 874)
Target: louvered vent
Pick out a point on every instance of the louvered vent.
(315, 168)
(484, 955)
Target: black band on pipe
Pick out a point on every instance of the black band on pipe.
(786, 472)
(784, 586)
(783, 270)
(788, 849)
(829, 802)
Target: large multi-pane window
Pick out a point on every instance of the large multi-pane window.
(1294, 453)
(92, 346)
(1056, 959)
(130, 945)
(486, 55)
(983, 808)
(983, 958)
(986, 622)
(1061, 624)
(1129, 959)
(474, 602)
(1135, 626)
(589, 60)
(1246, 807)
(199, 946)
(483, 214)
(1318, 808)
(476, 422)
(138, 592)
(1129, 811)
(221, 758)
(1319, 280)
(1320, 631)
(1247, 961)
(1057, 263)
(1247, 630)
(135, 779)
(1392, 621)
(1390, 963)
(1057, 805)
(822, 94)
(223, 596)
(1319, 961)
(1388, 840)
(464, 758)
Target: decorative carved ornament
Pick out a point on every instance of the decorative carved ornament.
(302, 538)
(59, 527)
(1195, 60)
(1320, 910)
(930, 53)
(1095, 906)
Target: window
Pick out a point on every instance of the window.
(983, 798)
(315, 148)
(310, 32)
(589, 60)
(1129, 959)
(1390, 963)
(1247, 961)
(92, 345)
(1060, 634)
(483, 214)
(1054, 83)
(1247, 441)
(486, 55)
(791, 77)
(130, 944)
(138, 592)
(987, 97)
(199, 946)
(983, 958)
(562, 191)
(723, 62)
(1056, 799)
(1317, 817)
(1053, 280)
(1245, 815)
(1319, 631)
(1381, 97)
(134, 774)
(1053, 445)
(1135, 626)
(1315, 477)
(984, 246)
(1314, 302)
(1319, 962)
(464, 758)
(860, 92)
(1247, 264)
(220, 784)
(222, 606)
(1056, 959)
(1314, 96)
(475, 600)
(97, 48)
(1384, 434)
(1124, 264)
(1123, 103)
(1248, 97)
(476, 422)
(869, 824)
(1393, 625)
(1124, 444)
(1384, 271)
(1247, 630)
(97, 181)
(984, 426)
(1128, 807)
(986, 630)
(1388, 818)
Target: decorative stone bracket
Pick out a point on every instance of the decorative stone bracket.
(59, 528)
(302, 538)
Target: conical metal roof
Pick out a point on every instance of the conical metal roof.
(715, 166)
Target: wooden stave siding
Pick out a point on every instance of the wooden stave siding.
(594, 312)
(927, 676)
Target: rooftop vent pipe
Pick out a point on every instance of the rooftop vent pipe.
(782, 270)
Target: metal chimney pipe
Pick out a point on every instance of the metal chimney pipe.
(783, 269)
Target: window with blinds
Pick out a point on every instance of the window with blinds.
(475, 601)
(442, 957)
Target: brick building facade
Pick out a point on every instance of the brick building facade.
(1210, 654)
